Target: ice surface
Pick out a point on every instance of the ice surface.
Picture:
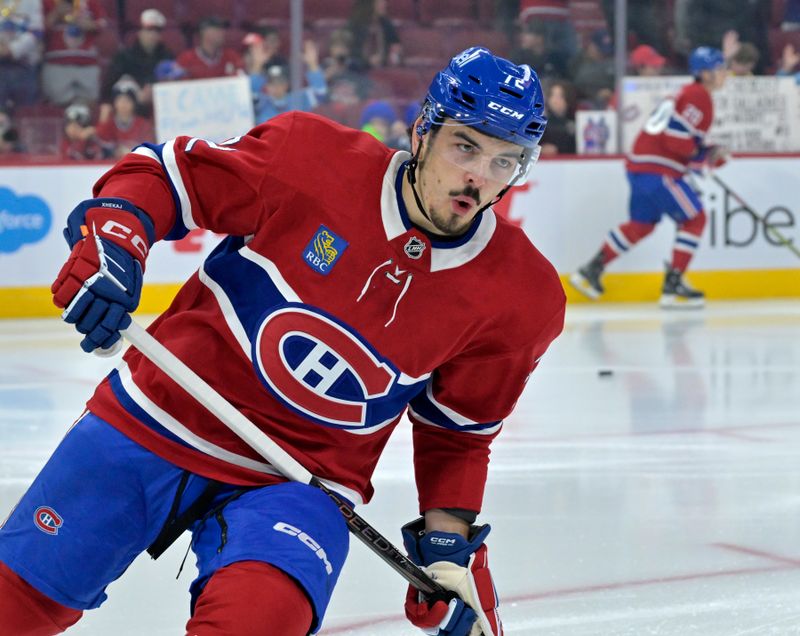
(663, 499)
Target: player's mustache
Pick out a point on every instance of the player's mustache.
(468, 191)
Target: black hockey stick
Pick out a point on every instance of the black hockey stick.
(284, 463)
(780, 238)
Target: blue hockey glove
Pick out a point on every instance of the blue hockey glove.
(459, 565)
(101, 282)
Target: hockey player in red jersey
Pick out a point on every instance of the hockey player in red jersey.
(355, 284)
(672, 141)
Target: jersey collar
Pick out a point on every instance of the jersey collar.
(444, 254)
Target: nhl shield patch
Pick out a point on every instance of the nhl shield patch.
(414, 248)
(324, 249)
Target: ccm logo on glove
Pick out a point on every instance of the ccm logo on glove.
(101, 282)
(441, 541)
(115, 228)
(121, 228)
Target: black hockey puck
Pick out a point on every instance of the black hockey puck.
(605, 373)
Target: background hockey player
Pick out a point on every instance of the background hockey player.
(354, 281)
(673, 139)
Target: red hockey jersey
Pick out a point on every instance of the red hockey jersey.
(674, 134)
(325, 313)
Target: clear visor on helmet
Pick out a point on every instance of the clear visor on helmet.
(487, 158)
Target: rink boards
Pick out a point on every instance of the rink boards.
(566, 209)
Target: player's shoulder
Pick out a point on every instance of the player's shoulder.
(524, 277)
(517, 247)
(317, 142)
(320, 130)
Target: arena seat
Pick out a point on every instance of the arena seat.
(456, 40)
(449, 13)
(421, 45)
(397, 82)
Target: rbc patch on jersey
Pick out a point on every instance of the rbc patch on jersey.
(323, 250)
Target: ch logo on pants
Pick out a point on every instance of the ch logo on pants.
(47, 520)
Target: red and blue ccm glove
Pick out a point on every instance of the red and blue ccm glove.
(102, 280)
(459, 565)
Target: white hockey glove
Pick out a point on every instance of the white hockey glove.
(459, 565)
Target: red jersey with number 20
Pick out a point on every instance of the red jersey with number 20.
(325, 313)
(674, 133)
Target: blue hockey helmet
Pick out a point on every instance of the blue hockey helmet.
(705, 58)
(488, 93)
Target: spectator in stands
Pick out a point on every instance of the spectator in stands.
(271, 89)
(169, 71)
(647, 22)
(346, 92)
(21, 27)
(347, 78)
(262, 50)
(790, 63)
(791, 16)
(375, 38)
(210, 58)
(559, 136)
(506, 17)
(399, 136)
(744, 61)
(341, 60)
(532, 50)
(124, 129)
(9, 137)
(377, 119)
(71, 68)
(593, 71)
(80, 140)
(709, 20)
(138, 61)
(552, 17)
(645, 61)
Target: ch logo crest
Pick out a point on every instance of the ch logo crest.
(321, 368)
(47, 520)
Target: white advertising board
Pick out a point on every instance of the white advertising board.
(34, 204)
(567, 209)
(215, 109)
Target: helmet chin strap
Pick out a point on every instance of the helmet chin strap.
(411, 172)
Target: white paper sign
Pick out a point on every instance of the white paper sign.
(751, 114)
(214, 109)
(757, 114)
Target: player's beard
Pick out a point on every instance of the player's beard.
(449, 224)
(446, 222)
